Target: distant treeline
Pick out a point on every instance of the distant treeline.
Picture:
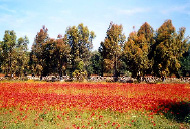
(161, 53)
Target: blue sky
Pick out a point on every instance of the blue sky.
(26, 17)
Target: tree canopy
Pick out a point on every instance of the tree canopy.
(170, 47)
(160, 53)
(111, 48)
(137, 48)
(80, 40)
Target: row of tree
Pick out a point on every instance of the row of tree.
(161, 53)
(145, 51)
(13, 54)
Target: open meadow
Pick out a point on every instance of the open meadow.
(39, 105)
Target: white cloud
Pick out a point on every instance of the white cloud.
(14, 20)
(65, 12)
(5, 8)
(132, 11)
(185, 9)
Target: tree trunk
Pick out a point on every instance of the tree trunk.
(115, 70)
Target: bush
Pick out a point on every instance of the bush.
(79, 75)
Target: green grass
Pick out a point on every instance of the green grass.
(73, 118)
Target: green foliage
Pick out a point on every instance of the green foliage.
(1, 54)
(80, 66)
(111, 48)
(56, 56)
(36, 56)
(21, 62)
(80, 40)
(80, 74)
(185, 63)
(95, 63)
(170, 47)
(8, 52)
(137, 49)
(163, 52)
(14, 55)
(50, 56)
(160, 53)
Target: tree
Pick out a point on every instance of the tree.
(80, 41)
(62, 53)
(14, 55)
(8, 52)
(170, 47)
(56, 56)
(111, 49)
(79, 73)
(22, 57)
(95, 63)
(137, 49)
(133, 55)
(1, 55)
(185, 63)
(36, 55)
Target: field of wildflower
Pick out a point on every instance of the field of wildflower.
(33, 105)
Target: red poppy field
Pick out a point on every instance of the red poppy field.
(94, 105)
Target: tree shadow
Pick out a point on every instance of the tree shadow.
(179, 111)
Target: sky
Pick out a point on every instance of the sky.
(26, 17)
